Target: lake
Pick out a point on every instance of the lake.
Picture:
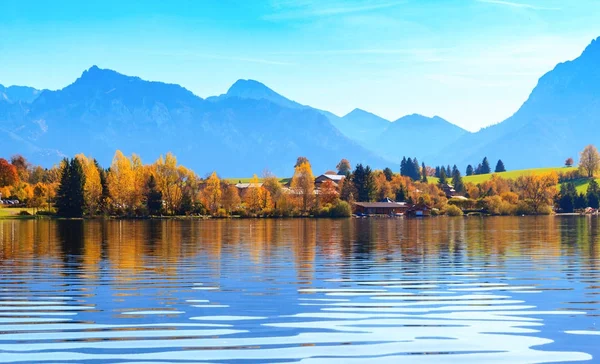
(503, 289)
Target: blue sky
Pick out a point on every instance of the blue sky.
(473, 62)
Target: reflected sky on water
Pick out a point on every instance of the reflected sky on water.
(510, 289)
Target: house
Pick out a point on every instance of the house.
(243, 187)
(383, 207)
(335, 178)
(448, 190)
(418, 210)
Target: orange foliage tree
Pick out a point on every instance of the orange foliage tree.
(8, 174)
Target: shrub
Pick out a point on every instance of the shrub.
(462, 203)
(24, 213)
(44, 213)
(340, 209)
(221, 213)
(452, 210)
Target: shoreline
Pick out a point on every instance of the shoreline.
(181, 218)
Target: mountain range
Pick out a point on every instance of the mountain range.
(252, 127)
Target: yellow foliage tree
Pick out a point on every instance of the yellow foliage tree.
(589, 161)
(537, 190)
(231, 198)
(253, 198)
(92, 190)
(121, 181)
(303, 184)
(40, 191)
(168, 179)
(212, 193)
(383, 186)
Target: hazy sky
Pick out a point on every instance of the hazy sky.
(472, 62)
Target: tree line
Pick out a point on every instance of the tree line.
(81, 187)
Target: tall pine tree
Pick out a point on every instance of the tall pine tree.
(364, 183)
(416, 173)
(403, 166)
(485, 166)
(443, 178)
(154, 201)
(70, 195)
(424, 172)
(593, 194)
(500, 166)
(457, 181)
(470, 170)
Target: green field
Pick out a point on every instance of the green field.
(12, 213)
(514, 174)
(581, 184)
(248, 179)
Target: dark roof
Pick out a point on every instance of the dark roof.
(381, 204)
(419, 207)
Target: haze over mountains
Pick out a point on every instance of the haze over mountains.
(252, 127)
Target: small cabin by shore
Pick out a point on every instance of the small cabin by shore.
(419, 210)
(386, 207)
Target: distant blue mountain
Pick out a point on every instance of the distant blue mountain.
(237, 136)
(415, 136)
(252, 127)
(392, 140)
(560, 117)
(15, 94)
(362, 126)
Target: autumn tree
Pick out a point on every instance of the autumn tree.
(328, 192)
(537, 191)
(231, 198)
(383, 188)
(93, 186)
(121, 181)
(271, 184)
(40, 191)
(303, 183)
(22, 166)
(70, 198)
(589, 161)
(170, 180)
(344, 167)
(8, 173)
(254, 196)
(347, 190)
(569, 162)
(300, 161)
(212, 193)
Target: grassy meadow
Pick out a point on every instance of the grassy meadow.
(13, 213)
(580, 184)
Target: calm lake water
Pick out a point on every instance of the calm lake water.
(391, 290)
